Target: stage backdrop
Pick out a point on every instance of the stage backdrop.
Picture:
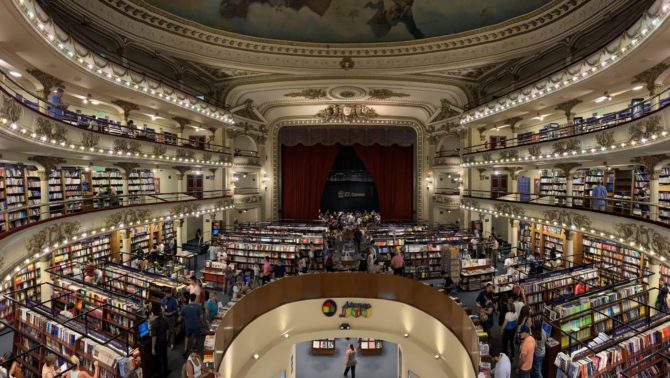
(305, 171)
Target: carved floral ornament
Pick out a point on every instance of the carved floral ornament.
(181, 210)
(340, 113)
(507, 209)
(648, 238)
(11, 110)
(126, 217)
(567, 218)
(451, 201)
(50, 235)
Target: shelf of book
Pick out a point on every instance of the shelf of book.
(423, 261)
(104, 180)
(600, 313)
(99, 248)
(475, 274)
(614, 257)
(551, 286)
(525, 243)
(664, 195)
(55, 183)
(664, 271)
(323, 347)
(26, 283)
(20, 196)
(140, 181)
(554, 183)
(610, 360)
(585, 179)
(140, 240)
(371, 347)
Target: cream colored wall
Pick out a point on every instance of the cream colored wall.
(303, 321)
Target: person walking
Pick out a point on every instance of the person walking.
(193, 317)
(508, 330)
(526, 352)
(266, 274)
(350, 361)
(159, 340)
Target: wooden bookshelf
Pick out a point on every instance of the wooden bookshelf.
(664, 195)
(665, 275)
(612, 256)
(104, 180)
(541, 238)
(554, 183)
(525, 243)
(623, 189)
(20, 194)
(26, 283)
(140, 181)
(98, 248)
(475, 274)
(551, 286)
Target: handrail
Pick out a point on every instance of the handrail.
(625, 207)
(590, 125)
(133, 200)
(85, 122)
(348, 285)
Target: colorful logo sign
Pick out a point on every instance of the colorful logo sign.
(329, 307)
(356, 310)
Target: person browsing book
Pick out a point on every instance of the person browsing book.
(78, 372)
(49, 367)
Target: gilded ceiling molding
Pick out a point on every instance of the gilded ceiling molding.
(512, 122)
(567, 167)
(50, 130)
(535, 151)
(650, 161)
(309, 93)
(645, 236)
(181, 171)
(128, 216)
(567, 107)
(184, 153)
(90, 140)
(11, 109)
(452, 202)
(567, 218)
(514, 172)
(447, 111)
(384, 94)
(51, 234)
(184, 209)
(509, 154)
(507, 209)
(248, 110)
(127, 146)
(342, 113)
(566, 146)
(645, 129)
(159, 150)
(181, 122)
(605, 139)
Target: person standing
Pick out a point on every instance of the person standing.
(326, 255)
(78, 372)
(494, 245)
(169, 306)
(159, 340)
(350, 361)
(503, 367)
(311, 262)
(193, 317)
(58, 106)
(211, 306)
(540, 351)
(212, 251)
(599, 194)
(509, 330)
(486, 313)
(526, 352)
(49, 367)
(398, 264)
(193, 287)
(371, 262)
(266, 275)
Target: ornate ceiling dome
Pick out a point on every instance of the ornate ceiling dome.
(346, 21)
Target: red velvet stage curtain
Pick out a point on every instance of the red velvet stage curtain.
(304, 173)
(392, 168)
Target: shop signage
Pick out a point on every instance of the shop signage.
(356, 310)
(329, 307)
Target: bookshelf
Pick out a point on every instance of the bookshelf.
(614, 257)
(585, 179)
(453, 260)
(600, 313)
(55, 183)
(525, 243)
(641, 181)
(665, 275)
(105, 179)
(140, 239)
(140, 181)
(423, 261)
(26, 283)
(167, 232)
(20, 195)
(623, 189)
(245, 253)
(323, 347)
(98, 248)
(553, 285)
(664, 195)
(371, 347)
(137, 284)
(476, 273)
(72, 188)
(554, 183)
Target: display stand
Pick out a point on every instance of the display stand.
(323, 347)
(475, 274)
(371, 347)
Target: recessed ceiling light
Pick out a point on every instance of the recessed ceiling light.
(256, 356)
(15, 74)
(286, 335)
(637, 88)
(406, 335)
(437, 356)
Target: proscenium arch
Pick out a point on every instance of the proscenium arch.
(420, 163)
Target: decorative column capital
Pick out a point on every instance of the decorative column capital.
(127, 167)
(181, 169)
(567, 106)
(650, 161)
(649, 77)
(567, 167)
(48, 82)
(127, 107)
(512, 122)
(182, 122)
(213, 170)
(48, 162)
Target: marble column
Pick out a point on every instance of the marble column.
(126, 247)
(569, 251)
(514, 235)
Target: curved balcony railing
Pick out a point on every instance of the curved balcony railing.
(99, 125)
(580, 126)
(347, 285)
(640, 209)
(53, 210)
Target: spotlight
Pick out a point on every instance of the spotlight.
(406, 335)
(345, 327)
(256, 356)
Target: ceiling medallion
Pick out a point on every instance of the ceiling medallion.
(347, 63)
(347, 113)
(347, 93)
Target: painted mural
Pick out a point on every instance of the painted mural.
(347, 21)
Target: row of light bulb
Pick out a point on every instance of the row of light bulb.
(107, 152)
(556, 155)
(631, 243)
(518, 98)
(163, 92)
(102, 230)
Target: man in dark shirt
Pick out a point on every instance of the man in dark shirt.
(169, 306)
(159, 340)
(193, 315)
(482, 294)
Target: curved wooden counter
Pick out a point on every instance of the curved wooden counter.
(348, 285)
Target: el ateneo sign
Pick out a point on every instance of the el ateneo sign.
(341, 194)
(348, 310)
